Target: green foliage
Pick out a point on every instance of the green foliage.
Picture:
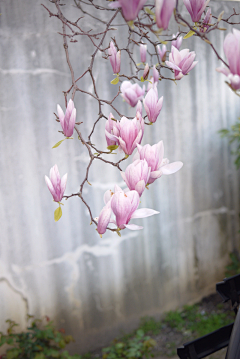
(234, 267)
(135, 346)
(150, 325)
(233, 135)
(191, 319)
(40, 341)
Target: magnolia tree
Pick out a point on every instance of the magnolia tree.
(160, 58)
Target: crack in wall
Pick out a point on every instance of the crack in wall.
(24, 298)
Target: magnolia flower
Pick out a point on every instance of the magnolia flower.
(68, 120)
(154, 157)
(111, 126)
(55, 184)
(124, 206)
(177, 43)
(130, 8)
(163, 12)
(206, 21)
(137, 175)
(162, 52)
(143, 53)
(195, 8)
(115, 58)
(152, 105)
(231, 48)
(130, 133)
(181, 62)
(132, 92)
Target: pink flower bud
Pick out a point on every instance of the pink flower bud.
(162, 52)
(137, 175)
(143, 53)
(104, 218)
(177, 43)
(115, 58)
(195, 8)
(231, 48)
(154, 157)
(146, 72)
(55, 184)
(163, 12)
(152, 105)
(155, 75)
(132, 92)
(68, 120)
(130, 8)
(181, 62)
(206, 21)
(111, 127)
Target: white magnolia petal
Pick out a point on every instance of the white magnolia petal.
(156, 174)
(171, 168)
(144, 212)
(133, 227)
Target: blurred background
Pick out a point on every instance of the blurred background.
(97, 287)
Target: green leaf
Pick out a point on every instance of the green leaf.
(115, 81)
(142, 79)
(58, 144)
(140, 63)
(112, 148)
(57, 214)
(164, 42)
(40, 356)
(13, 353)
(189, 34)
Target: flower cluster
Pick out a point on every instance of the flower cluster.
(153, 60)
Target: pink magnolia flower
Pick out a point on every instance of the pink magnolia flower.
(124, 206)
(130, 8)
(181, 62)
(163, 12)
(206, 22)
(177, 43)
(55, 184)
(143, 52)
(111, 126)
(152, 105)
(115, 58)
(154, 157)
(132, 92)
(130, 133)
(231, 48)
(137, 175)
(195, 8)
(68, 120)
(162, 52)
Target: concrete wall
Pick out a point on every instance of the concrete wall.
(97, 287)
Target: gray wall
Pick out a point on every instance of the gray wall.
(97, 287)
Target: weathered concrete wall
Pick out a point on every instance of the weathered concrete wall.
(96, 287)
